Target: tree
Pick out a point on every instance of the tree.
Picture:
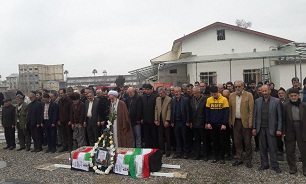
(120, 81)
(242, 23)
(94, 72)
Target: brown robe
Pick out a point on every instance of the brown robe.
(124, 127)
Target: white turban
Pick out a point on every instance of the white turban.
(115, 93)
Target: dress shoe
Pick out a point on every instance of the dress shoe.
(249, 165)
(237, 163)
(58, 145)
(28, 149)
(38, 150)
(222, 161)
(168, 153)
(205, 159)
(304, 173)
(196, 157)
(277, 170)
(63, 150)
(261, 168)
(185, 156)
(47, 151)
(53, 151)
(177, 156)
(7, 147)
(33, 150)
(12, 147)
(21, 148)
(256, 149)
(214, 161)
(292, 171)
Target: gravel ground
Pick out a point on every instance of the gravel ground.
(21, 168)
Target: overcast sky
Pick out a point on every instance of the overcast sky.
(123, 35)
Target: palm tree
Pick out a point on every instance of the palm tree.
(94, 72)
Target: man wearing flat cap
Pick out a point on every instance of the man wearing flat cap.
(8, 123)
(295, 129)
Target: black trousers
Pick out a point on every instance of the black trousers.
(37, 135)
(219, 141)
(230, 146)
(67, 135)
(9, 133)
(280, 144)
(290, 148)
(200, 136)
(164, 137)
(93, 132)
(267, 144)
(24, 137)
(150, 135)
(50, 133)
(181, 138)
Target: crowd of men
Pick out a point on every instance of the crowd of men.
(196, 121)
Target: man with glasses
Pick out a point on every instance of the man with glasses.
(241, 105)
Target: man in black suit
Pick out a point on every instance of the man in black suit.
(50, 113)
(134, 105)
(267, 123)
(8, 123)
(295, 129)
(34, 121)
(103, 108)
(180, 120)
(92, 118)
(148, 116)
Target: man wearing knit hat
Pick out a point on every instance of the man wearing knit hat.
(295, 129)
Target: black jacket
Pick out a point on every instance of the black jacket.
(35, 114)
(185, 109)
(103, 109)
(148, 108)
(134, 106)
(198, 112)
(8, 116)
(52, 113)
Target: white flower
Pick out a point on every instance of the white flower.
(108, 126)
(99, 139)
(96, 144)
(90, 164)
(92, 154)
(108, 122)
(95, 168)
(106, 171)
(111, 146)
(90, 160)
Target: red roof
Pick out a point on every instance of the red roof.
(232, 27)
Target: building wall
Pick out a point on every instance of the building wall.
(205, 43)
(177, 78)
(34, 76)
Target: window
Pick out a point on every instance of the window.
(173, 71)
(209, 77)
(251, 74)
(221, 34)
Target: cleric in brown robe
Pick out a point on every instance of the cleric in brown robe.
(122, 128)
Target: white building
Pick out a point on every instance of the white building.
(220, 52)
(12, 81)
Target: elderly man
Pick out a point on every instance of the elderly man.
(103, 108)
(24, 135)
(134, 105)
(295, 129)
(180, 120)
(267, 123)
(92, 118)
(198, 106)
(34, 121)
(122, 128)
(8, 123)
(241, 107)
(217, 114)
(162, 120)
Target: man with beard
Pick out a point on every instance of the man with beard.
(64, 106)
(295, 129)
(162, 120)
(148, 110)
(267, 123)
(92, 118)
(24, 135)
(134, 105)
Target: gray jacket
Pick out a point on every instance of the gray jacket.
(275, 115)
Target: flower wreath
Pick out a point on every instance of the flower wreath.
(107, 143)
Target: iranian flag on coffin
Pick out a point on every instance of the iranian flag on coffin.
(138, 163)
(81, 158)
